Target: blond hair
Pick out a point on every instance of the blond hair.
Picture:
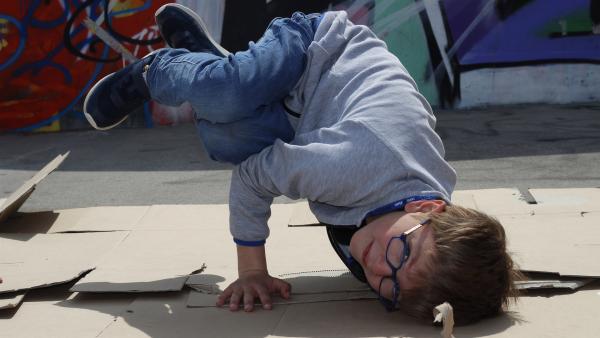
(470, 268)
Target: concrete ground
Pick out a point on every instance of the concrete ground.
(528, 146)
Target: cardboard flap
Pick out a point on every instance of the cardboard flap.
(11, 300)
(76, 220)
(307, 287)
(18, 197)
(203, 300)
(36, 260)
(561, 243)
(77, 316)
(147, 261)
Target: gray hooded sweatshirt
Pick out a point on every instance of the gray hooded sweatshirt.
(365, 138)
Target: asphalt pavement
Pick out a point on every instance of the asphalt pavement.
(517, 146)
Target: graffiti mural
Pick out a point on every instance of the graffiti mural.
(466, 53)
(49, 59)
(462, 53)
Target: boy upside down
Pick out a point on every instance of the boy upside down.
(319, 109)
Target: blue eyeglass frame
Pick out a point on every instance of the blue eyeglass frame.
(392, 305)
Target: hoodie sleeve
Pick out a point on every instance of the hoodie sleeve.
(323, 165)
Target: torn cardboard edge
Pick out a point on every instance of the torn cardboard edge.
(149, 261)
(91, 219)
(543, 280)
(59, 281)
(11, 300)
(32, 261)
(19, 196)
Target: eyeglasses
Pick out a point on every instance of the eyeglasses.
(396, 245)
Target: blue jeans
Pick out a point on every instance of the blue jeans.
(237, 100)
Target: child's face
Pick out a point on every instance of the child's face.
(368, 245)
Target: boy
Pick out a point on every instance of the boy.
(319, 109)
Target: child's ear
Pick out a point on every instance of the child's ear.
(426, 206)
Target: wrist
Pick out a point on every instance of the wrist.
(251, 259)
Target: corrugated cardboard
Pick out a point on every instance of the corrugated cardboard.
(76, 220)
(11, 300)
(307, 287)
(168, 316)
(203, 300)
(500, 202)
(18, 197)
(572, 315)
(563, 243)
(149, 261)
(544, 235)
(168, 217)
(566, 200)
(76, 317)
(302, 216)
(37, 260)
(565, 315)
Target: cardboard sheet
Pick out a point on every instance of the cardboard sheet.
(168, 316)
(18, 197)
(151, 261)
(323, 281)
(307, 287)
(563, 243)
(572, 315)
(566, 200)
(35, 260)
(464, 199)
(302, 216)
(11, 300)
(499, 202)
(357, 318)
(76, 317)
(567, 315)
(76, 220)
(203, 217)
(203, 300)
(496, 202)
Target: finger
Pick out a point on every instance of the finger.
(223, 297)
(234, 301)
(265, 298)
(248, 300)
(284, 288)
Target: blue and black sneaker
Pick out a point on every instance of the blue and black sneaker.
(182, 28)
(117, 95)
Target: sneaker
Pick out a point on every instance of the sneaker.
(117, 95)
(182, 28)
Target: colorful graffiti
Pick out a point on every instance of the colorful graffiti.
(481, 46)
(465, 53)
(49, 59)
(462, 53)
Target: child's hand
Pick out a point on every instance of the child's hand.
(251, 285)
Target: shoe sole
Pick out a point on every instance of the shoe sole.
(198, 20)
(89, 117)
